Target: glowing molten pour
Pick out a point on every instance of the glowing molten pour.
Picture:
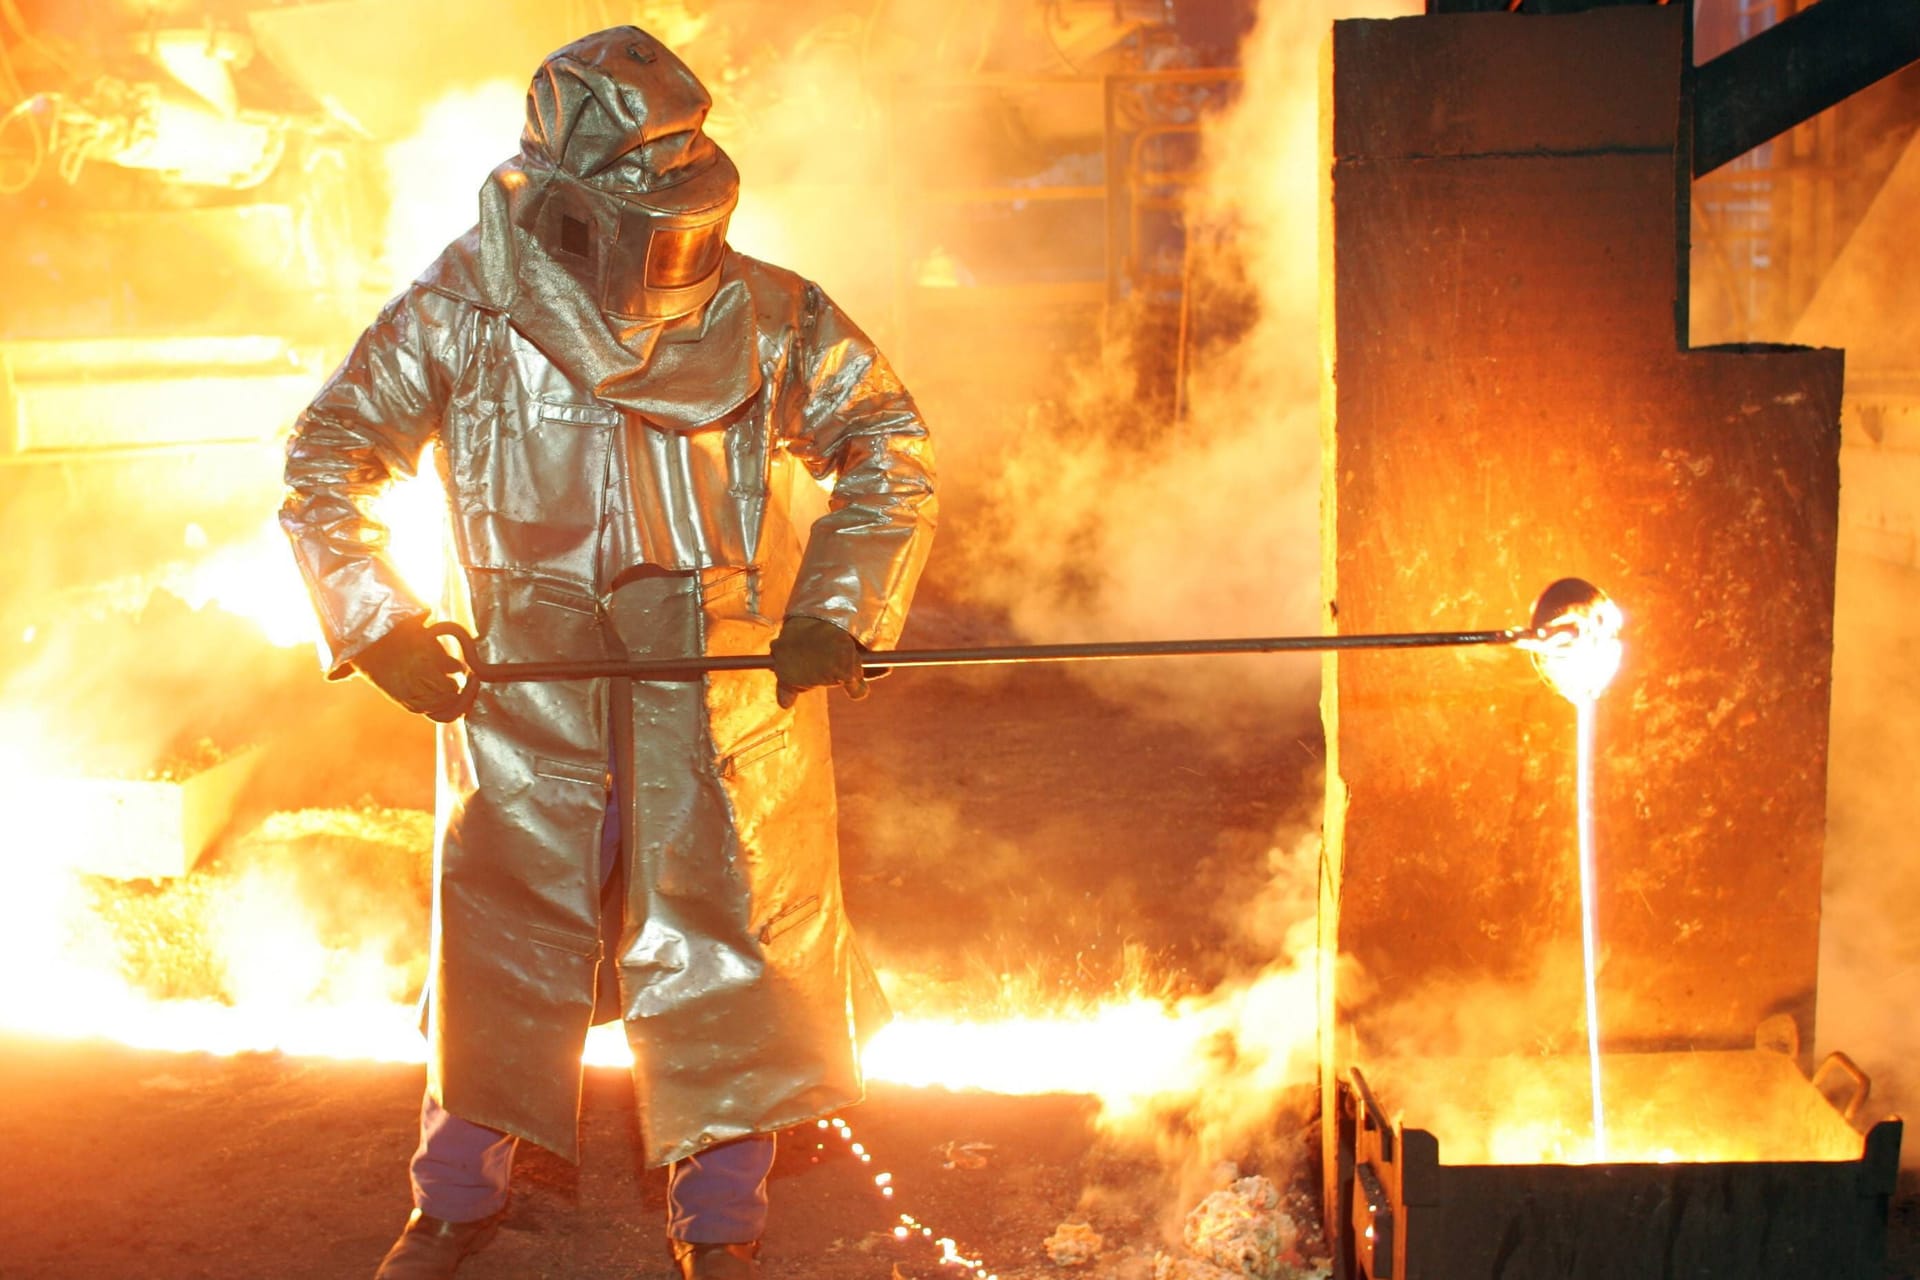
(1576, 639)
(1576, 646)
(1699, 1107)
(1589, 926)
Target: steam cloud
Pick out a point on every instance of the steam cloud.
(1869, 960)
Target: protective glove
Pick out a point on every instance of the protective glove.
(413, 669)
(809, 653)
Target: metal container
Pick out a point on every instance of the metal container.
(1719, 1166)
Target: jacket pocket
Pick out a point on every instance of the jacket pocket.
(570, 771)
(786, 918)
(567, 942)
(589, 415)
(752, 752)
(560, 596)
(529, 484)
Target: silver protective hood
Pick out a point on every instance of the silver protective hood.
(603, 239)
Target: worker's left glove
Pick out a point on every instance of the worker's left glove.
(809, 653)
(412, 668)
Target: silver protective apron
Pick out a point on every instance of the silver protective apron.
(587, 532)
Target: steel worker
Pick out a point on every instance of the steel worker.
(617, 401)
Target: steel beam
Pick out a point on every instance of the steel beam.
(1791, 72)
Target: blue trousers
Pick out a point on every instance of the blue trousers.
(718, 1196)
(461, 1169)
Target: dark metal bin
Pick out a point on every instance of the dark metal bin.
(1806, 1198)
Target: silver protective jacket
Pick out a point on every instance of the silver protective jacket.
(603, 509)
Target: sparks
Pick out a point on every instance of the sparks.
(906, 1225)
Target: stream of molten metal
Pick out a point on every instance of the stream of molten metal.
(1579, 653)
(1589, 927)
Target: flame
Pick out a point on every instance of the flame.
(267, 972)
(285, 988)
(258, 581)
(1132, 1052)
(282, 983)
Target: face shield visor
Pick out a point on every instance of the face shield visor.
(660, 265)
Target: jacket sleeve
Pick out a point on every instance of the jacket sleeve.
(368, 427)
(857, 424)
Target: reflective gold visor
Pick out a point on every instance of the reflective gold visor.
(679, 257)
(654, 268)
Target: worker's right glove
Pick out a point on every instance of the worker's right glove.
(413, 669)
(810, 652)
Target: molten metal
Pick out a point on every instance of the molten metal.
(1576, 639)
(1576, 648)
(1589, 925)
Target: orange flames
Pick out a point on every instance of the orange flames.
(287, 986)
(256, 580)
(272, 976)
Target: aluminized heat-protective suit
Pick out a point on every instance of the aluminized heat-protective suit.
(618, 487)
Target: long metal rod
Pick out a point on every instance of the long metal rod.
(691, 668)
(994, 655)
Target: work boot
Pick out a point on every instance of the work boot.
(717, 1261)
(430, 1249)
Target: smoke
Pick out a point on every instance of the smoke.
(1254, 1046)
(432, 174)
(1116, 509)
(1869, 953)
(1869, 960)
(1166, 483)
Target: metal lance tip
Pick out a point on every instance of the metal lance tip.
(1575, 640)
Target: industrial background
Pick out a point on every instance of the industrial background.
(1231, 318)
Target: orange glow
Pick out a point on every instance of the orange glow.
(1577, 648)
(256, 579)
(1589, 922)
(1123, 1053)
(1128, 1051)
(287, 989)
(1706, 1107)
(433, 174)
